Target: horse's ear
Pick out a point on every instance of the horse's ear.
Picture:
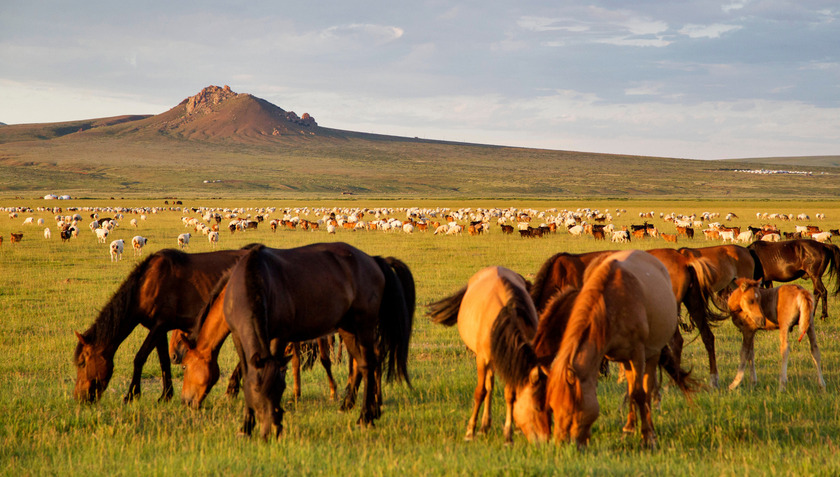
(256, 361)
(80, 337)
(744, 285)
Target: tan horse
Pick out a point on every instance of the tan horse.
(495, 298)
(625, 312)
(754, 308)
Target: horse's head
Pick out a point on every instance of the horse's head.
(530, 411)
(178, 346)
(745, 302)
(265, 382)
(201, 372)
(93, 371)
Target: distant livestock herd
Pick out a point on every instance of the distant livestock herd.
(581, 222)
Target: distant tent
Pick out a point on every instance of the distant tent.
(50, 196)
(64, 197)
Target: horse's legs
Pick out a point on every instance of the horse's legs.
(820, 293)
(510, 397)
(296, 369)
(784, 346)
(709, 342)
(233, 382)
(649, 386)
(630, 374)
(152, 341)
(324, 355)
(478, 398)
(165, 369)
(747, 344)
(354, 378)
(489, 379)
(815, 354)
(367, 364)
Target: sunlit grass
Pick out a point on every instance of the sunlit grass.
(49, 288)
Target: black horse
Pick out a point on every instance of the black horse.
(786, 261)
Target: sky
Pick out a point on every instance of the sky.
(687, 79)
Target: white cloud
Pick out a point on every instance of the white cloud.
(707, 31)
(363, 32)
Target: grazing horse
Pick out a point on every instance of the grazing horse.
(198, 352)
(624, 312)
(786, 261)
(275, 297)
(754, 308)
(164, 292)
(493, 297)
(727, 263)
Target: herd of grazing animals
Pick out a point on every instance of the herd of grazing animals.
(546, 339)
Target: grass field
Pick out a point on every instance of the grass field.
(49, 288)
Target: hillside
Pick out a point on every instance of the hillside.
(244, 146)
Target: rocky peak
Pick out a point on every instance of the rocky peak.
(208, 97)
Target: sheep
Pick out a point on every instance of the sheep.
(727, 235)
(117, 250)
(771, 238)
(408, 228)
(822, 237)
(621, 236)
(213, 238)
(330, 228)
(133, 222)
(138, 242)
(47, 233)
(745, 237)
(101, 234)
(184, 240)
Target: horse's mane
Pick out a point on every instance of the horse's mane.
(256, 289)
(536, 288)
(110, 320)
(510, 339)
(205, 310)
(587, 322)
(552, 323)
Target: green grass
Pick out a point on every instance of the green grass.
(48, 289)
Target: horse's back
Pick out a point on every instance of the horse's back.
(488, 291)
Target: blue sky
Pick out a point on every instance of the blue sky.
(699, 79)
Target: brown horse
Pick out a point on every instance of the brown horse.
(494, 297)
(625, 312)
(754, 308)
(274, 297)
(726, 264)
(201, 351)
(164, 292)
(786, 261)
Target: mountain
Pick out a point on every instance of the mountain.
(219, 143)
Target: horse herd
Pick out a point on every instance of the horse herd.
(548, 339)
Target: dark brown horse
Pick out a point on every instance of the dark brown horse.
(275, 297)
(164, 292)
(786, 261)
(559, 271)
(198, 351)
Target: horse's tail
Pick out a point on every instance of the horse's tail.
(682, 378)
(701, 292)
(445, 311)
(510, 339)
(396, 316)
(807, 308)
(834, 266)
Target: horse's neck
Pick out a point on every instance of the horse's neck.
(213, 333)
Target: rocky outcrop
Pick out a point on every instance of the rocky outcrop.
(207, 98)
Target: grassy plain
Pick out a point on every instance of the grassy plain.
(49, 288)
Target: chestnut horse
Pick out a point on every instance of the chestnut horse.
(163, 292)
(274, 297)
(754, 308)
(200, 353)
(494, 297)
(625, 312)
(786, 261)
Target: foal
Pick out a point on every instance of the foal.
(754, 308)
